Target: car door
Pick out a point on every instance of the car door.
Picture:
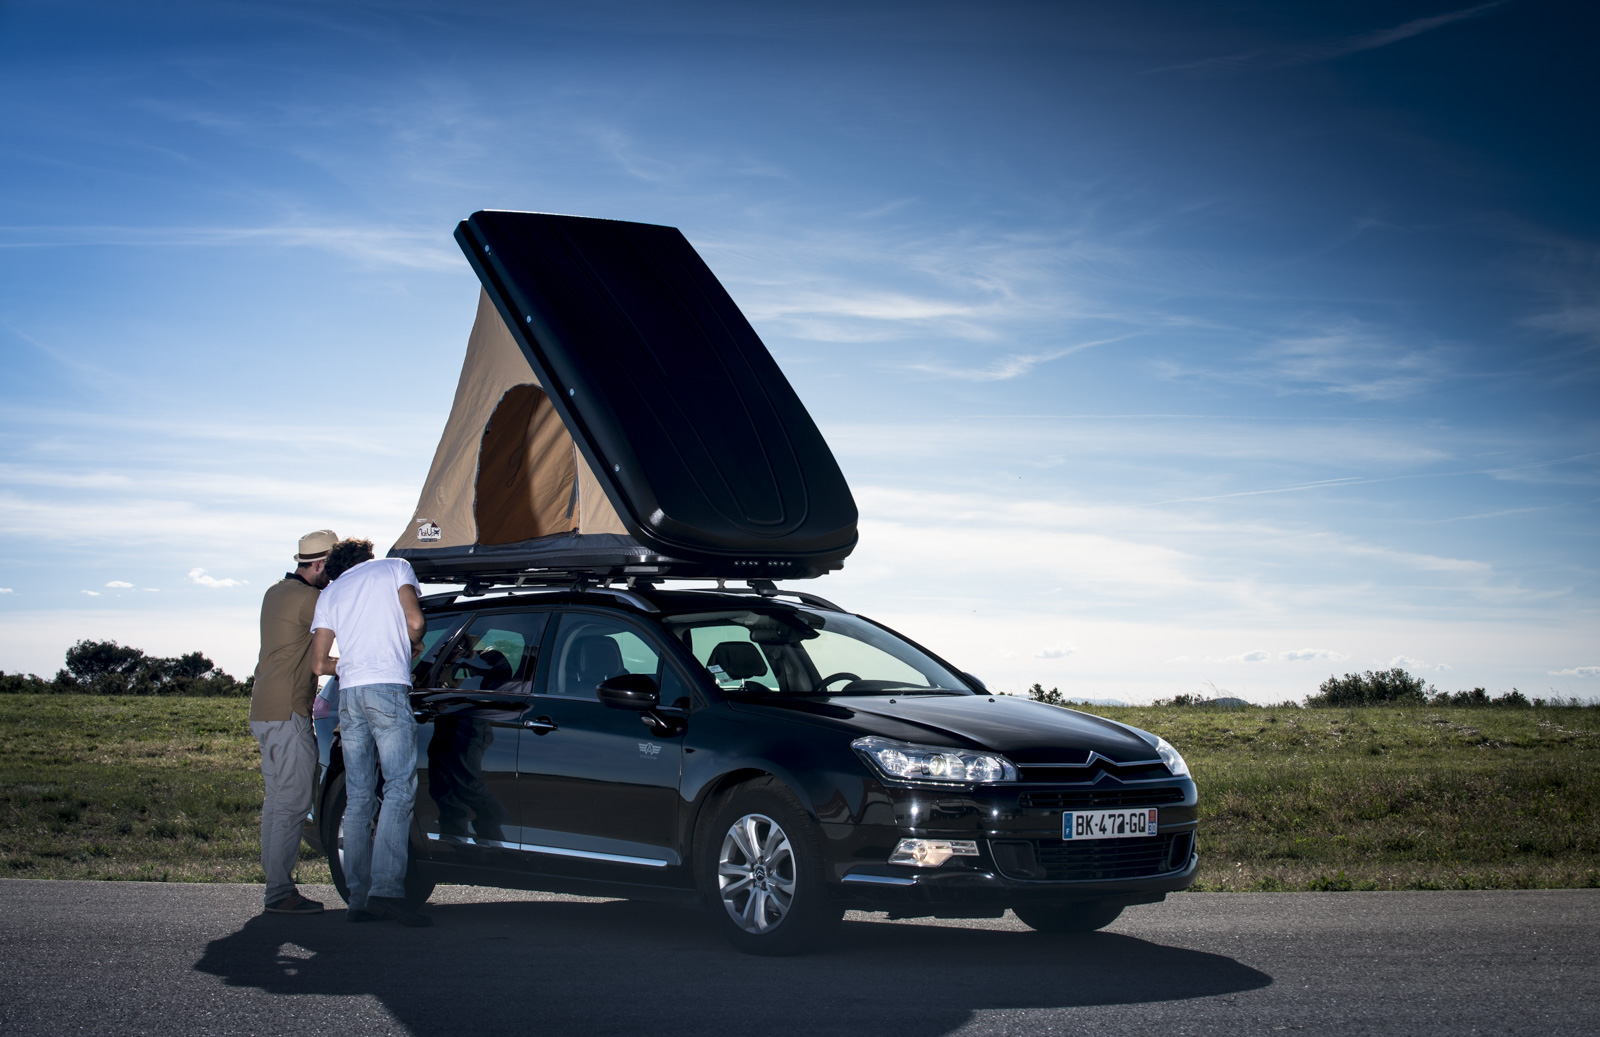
(601, 786)
(471, 713)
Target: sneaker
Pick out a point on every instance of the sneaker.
(398, 910)
(294, 904)
(371, 913)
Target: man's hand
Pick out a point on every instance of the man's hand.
(323, 664)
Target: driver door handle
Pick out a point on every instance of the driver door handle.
(540, 725)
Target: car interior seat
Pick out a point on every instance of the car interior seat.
(594, 658)
(740, 660)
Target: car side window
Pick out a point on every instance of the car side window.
(732, 659)
(499, 652)
(590, 648)
(434, 638)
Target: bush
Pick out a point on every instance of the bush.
(1375, 687)
(1053, 696)
(107, 668)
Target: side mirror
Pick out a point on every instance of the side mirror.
(635, 692)
(973, 680)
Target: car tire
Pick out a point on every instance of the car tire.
(417, 889)
(1069, 918)
(761, 872)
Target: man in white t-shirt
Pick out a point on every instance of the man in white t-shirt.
(372, 607)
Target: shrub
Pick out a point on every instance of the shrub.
(1375, 687)
(107, 668)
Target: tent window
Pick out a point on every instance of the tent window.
(526, 475)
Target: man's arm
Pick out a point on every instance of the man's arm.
(322, 663)
(415, 623)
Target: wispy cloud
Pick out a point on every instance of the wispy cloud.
(1311, 655)
(120, 585)
(92, 594)
(1011, 366)
(1257, 656)
(1577, 671)
(1406, 662)
(201, 577)
(1059, 652)
(6, 590)
(428, 249)
(1329, 48)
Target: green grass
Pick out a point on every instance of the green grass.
(112, 787)
(1390, 798)
(1368, 798)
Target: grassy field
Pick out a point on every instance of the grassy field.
(1371, 798)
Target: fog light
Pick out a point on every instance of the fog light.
(930, 853)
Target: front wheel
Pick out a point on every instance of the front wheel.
(1069, 918)
(761, 869)
(418, 889)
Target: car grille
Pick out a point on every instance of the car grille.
(1086, 799)
(1064, 861)
(1055, 773)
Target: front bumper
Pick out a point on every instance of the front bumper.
(1022, 856)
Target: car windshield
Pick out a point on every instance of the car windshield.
(774, 649)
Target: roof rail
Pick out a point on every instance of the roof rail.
(591, 582)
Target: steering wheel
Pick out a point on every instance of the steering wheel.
(841, 675)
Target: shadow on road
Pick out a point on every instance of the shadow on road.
(636, 967)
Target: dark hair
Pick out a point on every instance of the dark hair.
(346, 555)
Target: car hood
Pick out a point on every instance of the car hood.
(1024, 730)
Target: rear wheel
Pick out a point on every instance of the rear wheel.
(1069, 918)
(417, 889)
(761, 870)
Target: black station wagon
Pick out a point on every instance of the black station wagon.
(587, 725)
(773, 756)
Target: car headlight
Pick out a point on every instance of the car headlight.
(903, 761)
(1172, 758)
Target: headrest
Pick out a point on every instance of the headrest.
(596, 657)
(738, 659)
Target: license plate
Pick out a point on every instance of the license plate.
(1108, 824)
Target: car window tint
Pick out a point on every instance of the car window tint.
(499, 652)
(433, 641)
(730, 656)
(589, 649)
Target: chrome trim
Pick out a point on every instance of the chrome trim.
(879, 880)
(1090, 762)
(553, 851)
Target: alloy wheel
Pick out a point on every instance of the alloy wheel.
(756, 873)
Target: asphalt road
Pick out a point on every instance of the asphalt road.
(136, 958)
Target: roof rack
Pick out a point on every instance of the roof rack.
(632, 592)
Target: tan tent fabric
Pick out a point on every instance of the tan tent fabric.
(506, 469)
(527, 483)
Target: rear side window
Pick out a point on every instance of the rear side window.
(589, 649)
(499, 652)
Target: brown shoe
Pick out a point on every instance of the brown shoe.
(294, 904)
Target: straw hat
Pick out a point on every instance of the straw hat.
(316, 545)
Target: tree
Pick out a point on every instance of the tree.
(1371, 688)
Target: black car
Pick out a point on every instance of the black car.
(770, 755)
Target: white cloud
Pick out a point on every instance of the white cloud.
(153, 590)
(120, 585)
(1577, 671)
(1248, 657)
(1310, 654)
(199, 576)
(1060, 652)
(92, 594)
(6, 590)
(1405, 662)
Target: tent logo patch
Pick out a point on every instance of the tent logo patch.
(429, 532)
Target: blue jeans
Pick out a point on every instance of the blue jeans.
(378, 731)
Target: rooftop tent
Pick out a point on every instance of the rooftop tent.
(617, 414)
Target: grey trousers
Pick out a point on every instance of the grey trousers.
(289, 765)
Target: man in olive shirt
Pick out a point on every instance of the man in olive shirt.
(280, 718)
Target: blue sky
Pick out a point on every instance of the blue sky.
(1167, 347)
